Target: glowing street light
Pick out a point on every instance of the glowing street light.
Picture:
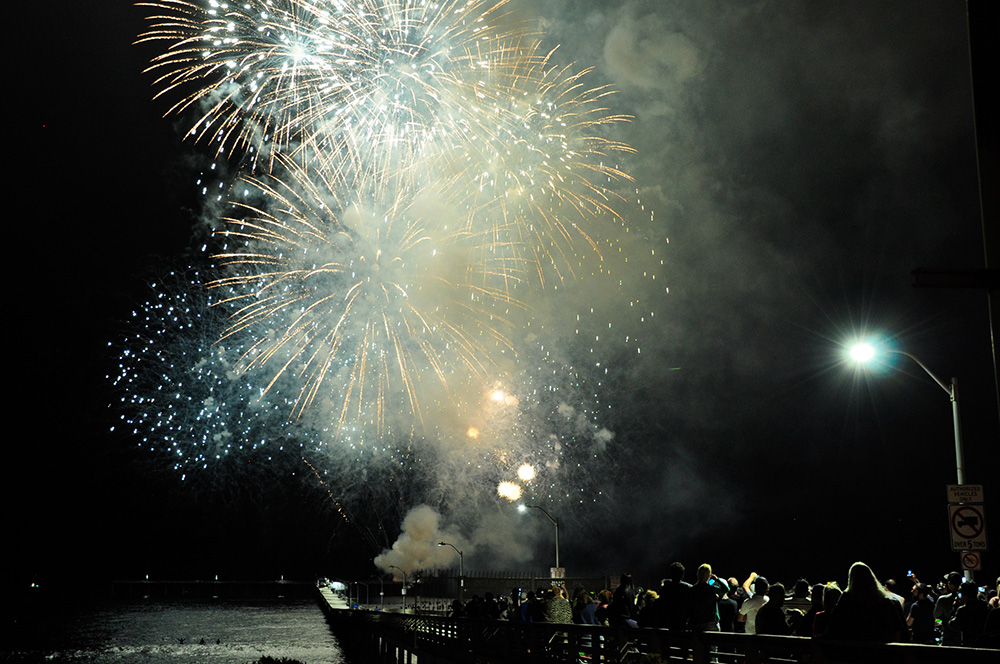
(524, 508)
(863, 353)
(461, 569)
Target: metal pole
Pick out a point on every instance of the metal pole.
(404, 584)
(959, 451)
(367, 595)
(952, 391)
(461, 570)
(554, 522)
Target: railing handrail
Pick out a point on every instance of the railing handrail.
(514, 641)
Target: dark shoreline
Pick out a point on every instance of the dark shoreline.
(194, 589)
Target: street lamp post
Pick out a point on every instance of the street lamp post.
(554, 521)
(367, 596)
(381, 593)
(461, 569)
(404, 583)
(864, 352)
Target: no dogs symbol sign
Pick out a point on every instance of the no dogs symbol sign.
(971, 562)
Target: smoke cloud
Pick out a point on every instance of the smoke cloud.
(417, 547)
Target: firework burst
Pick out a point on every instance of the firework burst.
(412, 174)
(182, 395)
(477, 114)
(356, 297)
(532, 172)
(297, 74)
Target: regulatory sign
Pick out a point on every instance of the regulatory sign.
(965, 493)
(968, 527)
(971, 561)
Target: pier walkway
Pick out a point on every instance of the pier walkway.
(402, 638)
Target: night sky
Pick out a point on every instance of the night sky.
(802, 158)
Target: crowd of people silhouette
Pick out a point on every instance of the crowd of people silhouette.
(950, 612)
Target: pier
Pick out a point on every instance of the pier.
(404, 638)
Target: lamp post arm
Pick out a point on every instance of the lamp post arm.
(404, 583)
(952, 390)
(555, 522)
(461, 569)
(543, 510)
(941, 383)
(461, 557)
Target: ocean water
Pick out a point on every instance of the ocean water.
(173, 632)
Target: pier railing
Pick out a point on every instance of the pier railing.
(387, 638)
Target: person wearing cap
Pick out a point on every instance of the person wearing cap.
(944, 610)
(756, 589)
(771, 617)
(920, 618)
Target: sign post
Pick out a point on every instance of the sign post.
(967, 523)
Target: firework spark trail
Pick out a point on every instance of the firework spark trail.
(475, 113)
(412, 177)
(531, 170)
(183, 397)
(302, 72)
(181, 391)
(355, 296)
(537, 435)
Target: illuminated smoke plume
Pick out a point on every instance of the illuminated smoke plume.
(417, 547)
(420, 184)
(357, 297)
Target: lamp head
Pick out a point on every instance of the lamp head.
(862, 353)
